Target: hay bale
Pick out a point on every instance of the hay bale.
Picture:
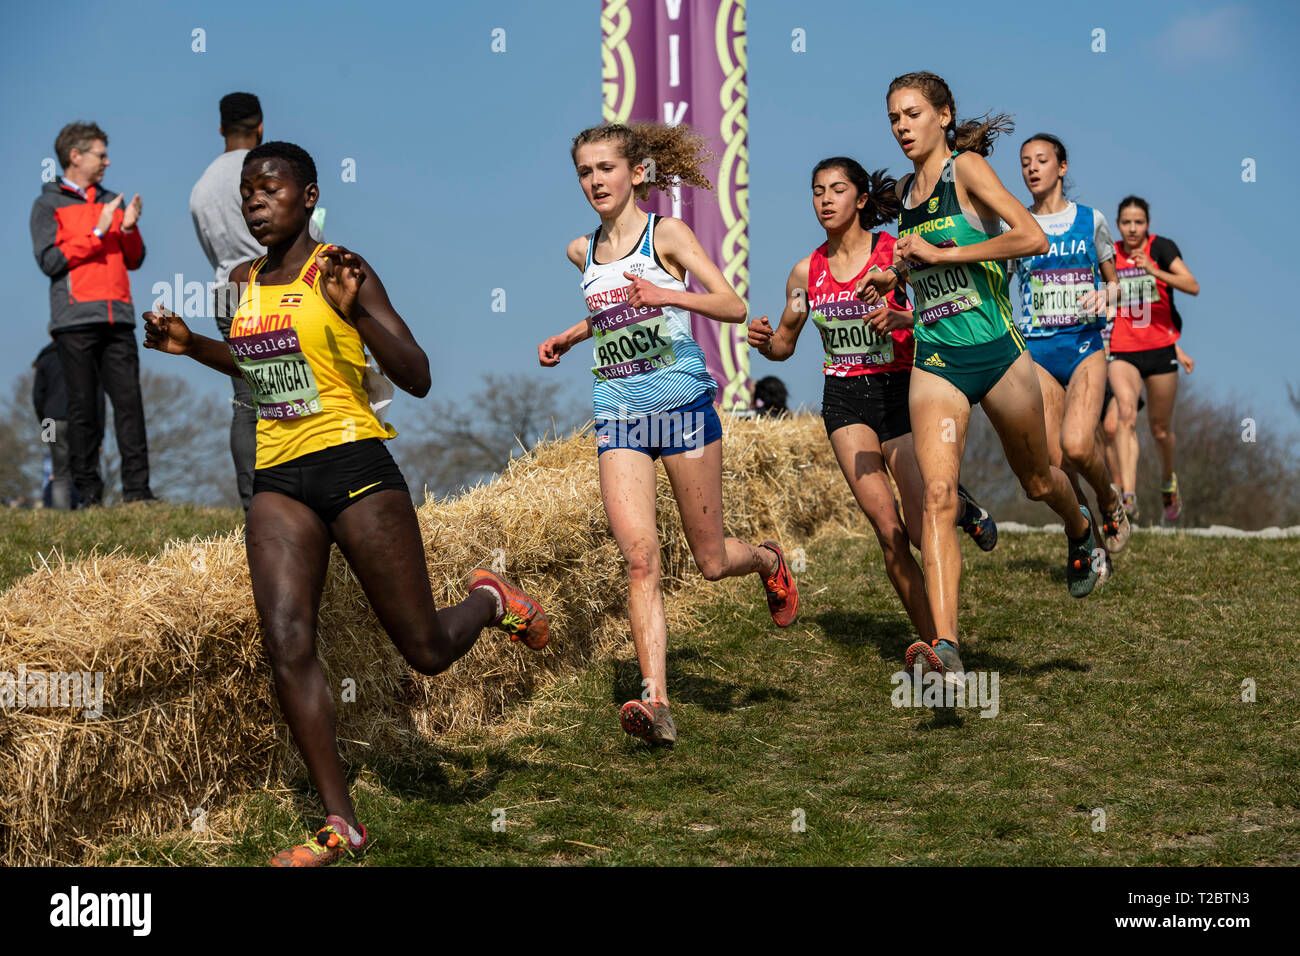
(189, 715)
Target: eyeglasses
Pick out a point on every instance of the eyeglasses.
(101, 155)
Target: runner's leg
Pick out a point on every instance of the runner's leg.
(379, 536)
(1161, 392)
(627, 488)
(940, 416)
(1015, 408)
(861, 460)
(1078, 432)
(697, 485)
(288, 552)
(1126, 383)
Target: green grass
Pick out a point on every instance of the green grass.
(1128, 702)
(139, 529)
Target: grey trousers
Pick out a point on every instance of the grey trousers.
(243, 430)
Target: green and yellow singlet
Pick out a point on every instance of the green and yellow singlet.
(957, 304)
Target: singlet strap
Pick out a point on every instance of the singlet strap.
(648, 246)
(591, 245)
(907, 188)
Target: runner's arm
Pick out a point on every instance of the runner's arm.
(677, 246)
(1024, 238)
(388, 338)
(579, 331)
(1179, 277)
(781, 345)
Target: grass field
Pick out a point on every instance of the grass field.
(138, 529)
(1129, 702)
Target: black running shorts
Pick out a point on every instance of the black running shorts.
(329, 481)
(1150, 362)
(878, 400)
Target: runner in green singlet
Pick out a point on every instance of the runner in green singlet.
(953, 253)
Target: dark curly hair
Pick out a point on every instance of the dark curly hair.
(295, 157)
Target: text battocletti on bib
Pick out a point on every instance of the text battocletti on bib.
(1054, 296)
(278, 374)
(630, 341)
(847, 338)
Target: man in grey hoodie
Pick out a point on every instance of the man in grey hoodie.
(216, 206)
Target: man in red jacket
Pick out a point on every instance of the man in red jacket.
(85, 242)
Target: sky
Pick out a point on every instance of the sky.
(463, 182)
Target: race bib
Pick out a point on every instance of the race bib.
(630, 341)
(1054, 297)
(278, 374)
(846, 336)
(943, 291)
(1137, 289)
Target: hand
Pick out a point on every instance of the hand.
(132, 214)
(760, 335)
(916, 249)
(644, 293)
(166, 331)
(106, 217)
(885, 321)
(549, 352)
(874, 285)
(341, 276)
(1143, 261)
(1184, 359)
(1093, 302)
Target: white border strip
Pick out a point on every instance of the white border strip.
(1213, 531)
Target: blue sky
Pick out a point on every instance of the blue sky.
(464, 184)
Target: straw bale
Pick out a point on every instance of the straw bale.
(189, 717)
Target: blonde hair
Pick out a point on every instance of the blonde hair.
(678, 152)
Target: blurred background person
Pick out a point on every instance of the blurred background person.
(86, 241)
(216, 207)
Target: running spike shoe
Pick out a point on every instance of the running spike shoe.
(330, 844)
(782, 592)
(1116, 528)
(650, 720)
(942, 656)
(1173, 501)
(1079, 573)
(983, 530)
(524, 620)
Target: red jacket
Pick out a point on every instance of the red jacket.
(88, 281)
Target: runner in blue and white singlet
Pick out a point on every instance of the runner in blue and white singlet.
(1063, 315)
(653, 394)
(645, 360)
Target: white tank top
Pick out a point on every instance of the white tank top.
(646, 361)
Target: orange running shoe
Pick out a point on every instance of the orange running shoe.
(329, 845)
(782, 592)
(649, 720)
(524, 620)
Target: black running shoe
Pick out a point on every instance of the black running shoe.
(983, 530)
(1079, 573)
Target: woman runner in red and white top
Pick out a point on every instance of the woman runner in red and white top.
(1143, 347)
(868, 364)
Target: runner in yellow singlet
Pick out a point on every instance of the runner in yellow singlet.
(323, 475)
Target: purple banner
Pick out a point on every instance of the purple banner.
(684, 61)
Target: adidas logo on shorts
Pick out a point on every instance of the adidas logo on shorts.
(935, 360)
